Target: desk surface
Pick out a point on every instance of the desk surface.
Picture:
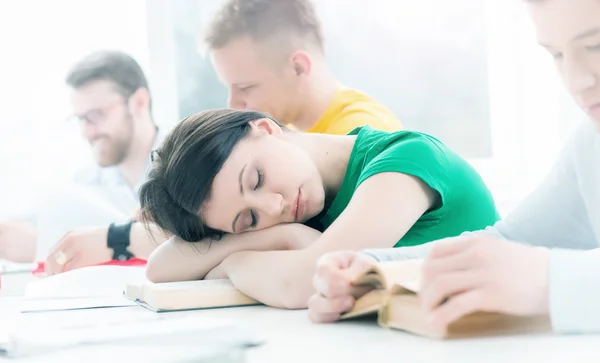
(291, 337)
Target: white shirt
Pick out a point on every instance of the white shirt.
(97, 176)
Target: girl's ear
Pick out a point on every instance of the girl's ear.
(266, 126)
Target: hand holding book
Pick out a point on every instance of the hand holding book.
(481, 272)
(431, 297)
(334, 282)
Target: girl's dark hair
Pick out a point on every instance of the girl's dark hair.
(184, 168)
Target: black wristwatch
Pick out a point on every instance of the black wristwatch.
(118, 240)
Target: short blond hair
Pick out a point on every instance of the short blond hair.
(265, 20)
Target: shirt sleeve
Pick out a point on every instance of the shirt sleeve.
(554, 215)
(574, 291)
(414, 252)
(399, 254)
(357, 117)
(415, 155)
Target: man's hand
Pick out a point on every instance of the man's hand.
(333, 280)
(18, 240)
(79, 249)
(483, 273)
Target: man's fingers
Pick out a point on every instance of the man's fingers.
(58, 260)
(331, 282)
(456, 307)
(330, 278)
(70, 265)
(317, 317)
(323, 305)
(323, 310)
(442, 287)
(359, 265)
(463, 257)
(339, 260)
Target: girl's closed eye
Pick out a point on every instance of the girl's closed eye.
(259, 179)
(556, 55)
(593, 48)
(246, 88)
(254, 219)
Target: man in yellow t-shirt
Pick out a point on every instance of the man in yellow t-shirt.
(270, 55)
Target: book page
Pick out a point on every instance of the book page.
(36, 305)
(406, 274)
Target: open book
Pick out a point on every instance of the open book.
(394, 299)
(187, 295)
(88, 287)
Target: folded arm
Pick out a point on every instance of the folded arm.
(177, 260)
(283, 278)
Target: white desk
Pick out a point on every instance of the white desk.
(291, 337)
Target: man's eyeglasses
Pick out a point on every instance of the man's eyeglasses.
(93, 117)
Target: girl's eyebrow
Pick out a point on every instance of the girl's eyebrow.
(240, 178)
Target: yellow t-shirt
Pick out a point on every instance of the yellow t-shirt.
(350, 109)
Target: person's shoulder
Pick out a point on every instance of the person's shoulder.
(369, 111)
(582, 148)
(407, 143)
(353, 100)
(95, 175)
(585, 136)
(87, 174)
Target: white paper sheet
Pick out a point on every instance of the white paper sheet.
(92, 281)
(37, 305)
(8, 267)
(84, 288)
(151, 330)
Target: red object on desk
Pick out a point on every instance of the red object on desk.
(41, 268)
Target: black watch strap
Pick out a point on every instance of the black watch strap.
(118, 240)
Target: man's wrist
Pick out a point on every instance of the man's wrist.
(119, 240)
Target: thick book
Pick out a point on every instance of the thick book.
(187, 295)
(394, 299)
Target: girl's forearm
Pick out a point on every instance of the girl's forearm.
(177, 260)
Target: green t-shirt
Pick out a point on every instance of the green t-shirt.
(465, 203)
